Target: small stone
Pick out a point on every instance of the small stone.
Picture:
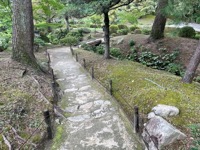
(151, 115)
(165, 110)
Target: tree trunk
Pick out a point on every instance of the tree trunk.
(106, 35)
(23, 32)
(67, 21)
(158, 27)
(192, 66)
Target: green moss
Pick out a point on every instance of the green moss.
(145, 87)
(36, 138)
(59, 136)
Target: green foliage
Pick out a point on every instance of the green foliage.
(187, 31)
(122, 26)
(195, 131)
(4, 41)
(197, 79)
(69, 40)
(113, 29)
(175, 68)
(39, 41)
(198, 20)
(146, 31)
(131, 43)
(133, 27)
(44, 25)
(77, 34)
(100, 49)
(161, 61)
(122, 32)
(115, 52)
(133, 56)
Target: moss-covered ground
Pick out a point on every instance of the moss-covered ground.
(138, 85)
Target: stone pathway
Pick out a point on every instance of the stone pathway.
(94, 120)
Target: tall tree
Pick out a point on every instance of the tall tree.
(192, 66)
(103, 7)
(23, 32)
(158, 27)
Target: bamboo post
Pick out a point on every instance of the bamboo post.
(84, 64)
(92, 72)
(47, 119)
(136, 119)
(110, 87)
(76, 57)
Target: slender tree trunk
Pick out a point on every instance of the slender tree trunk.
(192, 66)
(106, 35)
(49, 29)
(23, 32)
(67, 21)
(158, 27)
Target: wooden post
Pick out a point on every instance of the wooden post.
(136, 119)
(55, 96)
(52, 73)
(92, 72)
(76, 57)
(48, 122)
(49, 60)
(110, 87)
(84, 64)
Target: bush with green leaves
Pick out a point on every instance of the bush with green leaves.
(175, 68)
(113, 29)
(146, 31)
(133, 55)
(122, 32)
(69, 40)
(115, 52)
(39, 41)
(198, 20)
(4, 41)
(122, 26)
(187, 32)
(132, 28)
(77, 34)
(100, 49)
(131, 43)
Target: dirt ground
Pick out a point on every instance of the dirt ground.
(24, 94)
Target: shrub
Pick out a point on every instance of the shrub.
(77, 34)
(39, 41)
(122, 26)
(198, 20)
(146, 31)
(93, 26)
(137, 31)
(131, 43)
(132, 28)
(69, 40)
(122, 32)
(100, 49)
(175, 68)
(187, 31)
(113, 29)
(115, 52)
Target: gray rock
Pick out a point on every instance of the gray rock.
(120, 41)
(165, 110)
(151, 115)
(159, 133)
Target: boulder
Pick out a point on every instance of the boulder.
(158, 133)
(85, 30)
(165, 110)
(95, 42)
